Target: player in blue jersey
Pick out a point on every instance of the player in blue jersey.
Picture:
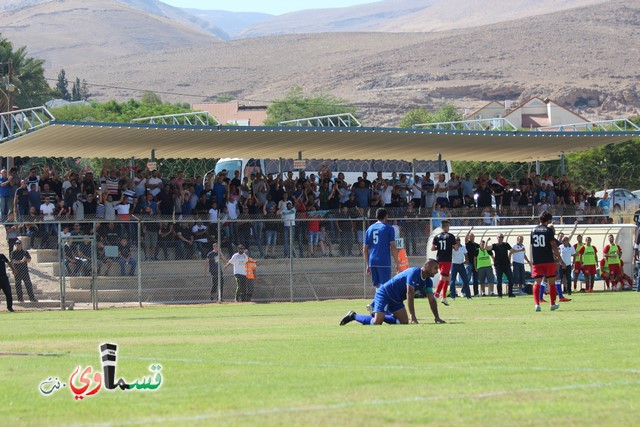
(391, 295)
(379, 246)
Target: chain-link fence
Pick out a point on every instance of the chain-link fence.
(316, 256)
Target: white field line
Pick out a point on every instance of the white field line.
(350, 404)
(351, 367)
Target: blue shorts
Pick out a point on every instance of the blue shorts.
(382, 304)
(380, 275)
(314, 237)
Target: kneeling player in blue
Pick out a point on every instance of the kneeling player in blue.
(390, 298)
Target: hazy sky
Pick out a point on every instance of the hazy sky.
(273, 7)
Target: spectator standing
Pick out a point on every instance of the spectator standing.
(20, 260)
(483, 267)
(441, 189)
(427, 191)
(5, 192)
(502, 263)
(467, 187)
(213, 265)
(483, 195)
(458, 259)
(271, 228)
(239, 262)
(472, 253)
(21, 201)
(604, 203)
(518, 258)
(251, 278)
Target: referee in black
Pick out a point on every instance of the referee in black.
(4, 280)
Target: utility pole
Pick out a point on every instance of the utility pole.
(9, 86)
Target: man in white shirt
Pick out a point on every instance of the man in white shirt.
(155, 183)
(239, 261)
(458, 259)
(518, 258)
(289, 216)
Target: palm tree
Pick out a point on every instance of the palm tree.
(24, 75)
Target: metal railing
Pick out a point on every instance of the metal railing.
(618, 125)
(333, 120)
(495, 124)
(199, 118)
(19, 122)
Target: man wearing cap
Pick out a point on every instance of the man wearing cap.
(20, 261)
(239, 261)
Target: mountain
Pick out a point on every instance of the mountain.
(232, 23)
(164, 10)
(65, 32)
(410, 16)
(584, 58)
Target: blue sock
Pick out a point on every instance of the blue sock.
(365, 319)
(559, 289)
(388, 318)
(543, 288)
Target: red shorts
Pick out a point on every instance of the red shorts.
(577, 266)
(544, 270)
(589, 270)
(614, 269)
(445, 268)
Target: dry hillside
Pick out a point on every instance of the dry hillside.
(410, 16)
(584, 58)
(73, 31)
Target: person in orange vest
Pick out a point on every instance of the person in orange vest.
(403, 259)
(251, 277)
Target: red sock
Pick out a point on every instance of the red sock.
(536, 294)
(439, 288)
(445, 288)
(553, 293)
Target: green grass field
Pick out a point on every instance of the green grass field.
(496, 363)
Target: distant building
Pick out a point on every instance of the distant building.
(533, 113)
(232, 113)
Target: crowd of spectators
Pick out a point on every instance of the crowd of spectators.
(181, 216)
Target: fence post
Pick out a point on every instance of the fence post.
(291, 232)
(94, 269)
(139, 262)
(366, 261)
(62, 272)
(219, 260)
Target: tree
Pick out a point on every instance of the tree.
(609, 166)
(30, 88)
(115, 112)
(62, 86)
(84, 90)
(296, 106)
(75, 91)
(446, 113)
(150, 98)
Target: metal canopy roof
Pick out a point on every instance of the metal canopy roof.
(89, 140)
